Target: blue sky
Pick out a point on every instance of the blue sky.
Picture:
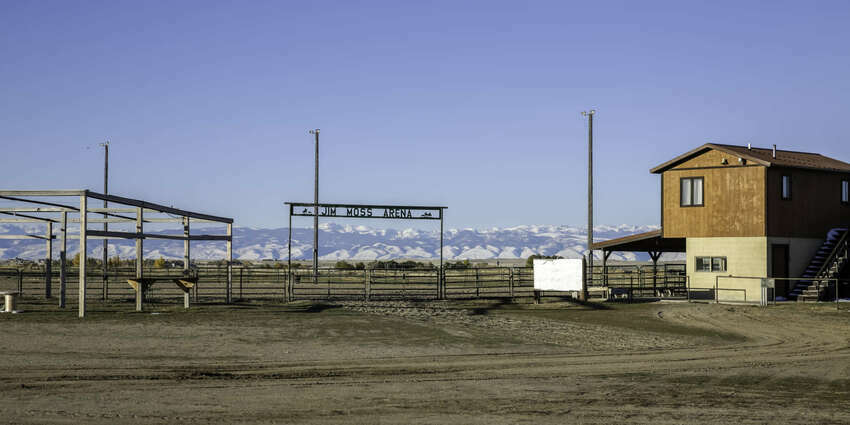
(473, 105)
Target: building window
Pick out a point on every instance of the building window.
(845, 191)
(692, 192)
(710, 264)
(786, 187)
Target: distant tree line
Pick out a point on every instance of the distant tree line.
(529, 262)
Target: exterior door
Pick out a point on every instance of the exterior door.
(779, 261)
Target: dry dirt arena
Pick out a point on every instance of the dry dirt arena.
(430, 362)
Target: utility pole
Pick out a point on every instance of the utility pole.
(105, 225)
(316, 213)
(589, 115)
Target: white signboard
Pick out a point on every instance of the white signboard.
(558, 275)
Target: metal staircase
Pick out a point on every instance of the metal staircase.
(828, 263)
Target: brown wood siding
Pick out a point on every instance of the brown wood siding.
(711, 158)
(734, 200)
(815, 204)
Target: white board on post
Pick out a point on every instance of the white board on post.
(558, 275)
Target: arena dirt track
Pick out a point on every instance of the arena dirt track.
(401, 362)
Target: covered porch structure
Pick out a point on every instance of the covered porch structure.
(652, 243)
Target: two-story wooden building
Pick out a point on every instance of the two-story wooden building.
(755, 212)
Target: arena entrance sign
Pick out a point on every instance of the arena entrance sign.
(368, 211)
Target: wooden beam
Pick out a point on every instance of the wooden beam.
(34, 209)
(32, 201)
(4, 193)
(22, 220)
(25, 216)
(132, 235)
(157, 207)
(24, 236)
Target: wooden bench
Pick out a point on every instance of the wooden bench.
(11, 298)
(141, 285)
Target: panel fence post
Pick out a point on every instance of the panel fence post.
(48, 265)
(367, 284)
(511, 282)
(63, 269)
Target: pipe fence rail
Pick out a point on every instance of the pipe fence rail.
(256, 283)
(621, 283)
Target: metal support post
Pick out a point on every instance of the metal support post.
(716, 287)
(83, 254)
(316, 213)
(288, 284)
(441, 278)
(105, 278)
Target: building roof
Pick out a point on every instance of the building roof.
(642, 242)
(763, 156)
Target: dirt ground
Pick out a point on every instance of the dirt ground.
(430, 362)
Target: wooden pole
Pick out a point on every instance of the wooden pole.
(654, 256)
(48, 266)
(186, 259)
(63, 253)
(589, 116)
(140, 258)
(583, 295)
(229, 262)
(83, 254)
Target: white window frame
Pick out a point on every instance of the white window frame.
(709, 261)
(687, 187)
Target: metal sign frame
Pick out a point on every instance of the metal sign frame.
(367, 211)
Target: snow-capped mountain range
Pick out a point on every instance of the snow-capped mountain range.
(360, 243)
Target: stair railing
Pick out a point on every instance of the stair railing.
(840, 247)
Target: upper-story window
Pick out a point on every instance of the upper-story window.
(845, 191)
(692, 191)
(786, 187)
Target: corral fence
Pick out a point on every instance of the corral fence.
(256, 283)
(628, 282)
(621, 282)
